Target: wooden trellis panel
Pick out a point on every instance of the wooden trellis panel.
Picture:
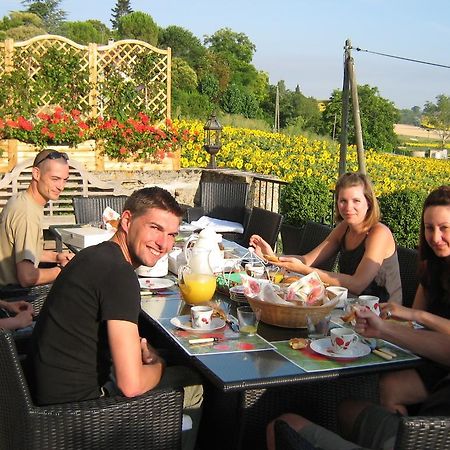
(96, 62)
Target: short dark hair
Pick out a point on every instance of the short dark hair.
(140, 201)
(49, 153)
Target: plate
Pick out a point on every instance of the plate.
(184, 322)
(323, 347)
(155, 283)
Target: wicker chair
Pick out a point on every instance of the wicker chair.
(313, 234)
(152, 420)
(88, 209)
(414, 433)
(263, 222)
(408, 263)
(226, 201)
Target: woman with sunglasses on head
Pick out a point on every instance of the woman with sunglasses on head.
(368, 262)
(431, 307)
(21, 232)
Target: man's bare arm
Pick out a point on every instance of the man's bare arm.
(133, 375)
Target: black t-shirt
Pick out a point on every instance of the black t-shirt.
(70, 356)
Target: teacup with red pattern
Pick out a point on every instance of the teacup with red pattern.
(370, 302)
(342, 339)
(201, 317)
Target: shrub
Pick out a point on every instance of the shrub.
(305, 199)
(401, 211)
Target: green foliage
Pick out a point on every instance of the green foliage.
(378, 117)
(121, 9)
(49, 11)
(209, 86)
(138, 25)
(183, 75)
(189, 105)
(305, 199)
(21, 26)
(438, 116)
(401, 211)
(410, 116)
(85, 32)
(234, 47)
(60, 77)
(183, 44)
(15, 94)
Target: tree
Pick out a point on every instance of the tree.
(138, 25)
(85, 32)
(232, 45)
(21, 26)
(410, 116)
(122, 9)
(183, 44)
(378, 117)
(48, 10)
(438, 117)
(183, 75)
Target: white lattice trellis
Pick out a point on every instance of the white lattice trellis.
(96, 64)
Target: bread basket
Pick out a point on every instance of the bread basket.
(288, 316)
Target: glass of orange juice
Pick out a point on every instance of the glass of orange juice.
(196, 288)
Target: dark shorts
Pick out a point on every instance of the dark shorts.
(375, 428)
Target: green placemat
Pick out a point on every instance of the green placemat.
(229, 341)
(310, 361)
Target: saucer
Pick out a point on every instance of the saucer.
(184, 322)
(155, 283)
(323, 347)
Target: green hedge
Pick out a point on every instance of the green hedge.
(306, 199)
(401, 211)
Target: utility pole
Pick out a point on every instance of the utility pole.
(276, 126)
(350, 84)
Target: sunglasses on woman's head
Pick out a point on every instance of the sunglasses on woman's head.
(52, 155)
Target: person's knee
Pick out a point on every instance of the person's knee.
(294, 421)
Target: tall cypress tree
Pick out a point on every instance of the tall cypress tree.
(122, 9)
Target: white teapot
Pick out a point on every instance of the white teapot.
(207, 240)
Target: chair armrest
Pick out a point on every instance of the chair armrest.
(422, 432)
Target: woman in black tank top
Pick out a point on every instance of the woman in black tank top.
(368, 255)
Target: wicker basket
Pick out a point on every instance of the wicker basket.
(287, 316)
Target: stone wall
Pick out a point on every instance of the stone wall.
(183, 183)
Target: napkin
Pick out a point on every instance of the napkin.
(110, 218)
(263, 290)
(223, 226)
(308, 291)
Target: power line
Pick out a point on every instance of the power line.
(400, 57)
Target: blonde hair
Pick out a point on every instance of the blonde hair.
(351, 179)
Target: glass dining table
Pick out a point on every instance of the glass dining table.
(251, 380)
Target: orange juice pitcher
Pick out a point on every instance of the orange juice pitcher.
(196, 280)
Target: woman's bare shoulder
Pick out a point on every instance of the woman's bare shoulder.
(380, 231)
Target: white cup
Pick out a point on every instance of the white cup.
(370, 302)
(342, 339)
(341, 293)
(254, 270)
(201, 317)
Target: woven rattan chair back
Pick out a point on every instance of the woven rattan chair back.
(149, 421)
(88, 209)
(265, 223)
(313, 234)
(226, 201)
(408, 264)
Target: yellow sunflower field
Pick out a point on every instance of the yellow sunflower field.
(288, 157)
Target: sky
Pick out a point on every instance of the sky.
(302, 41)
